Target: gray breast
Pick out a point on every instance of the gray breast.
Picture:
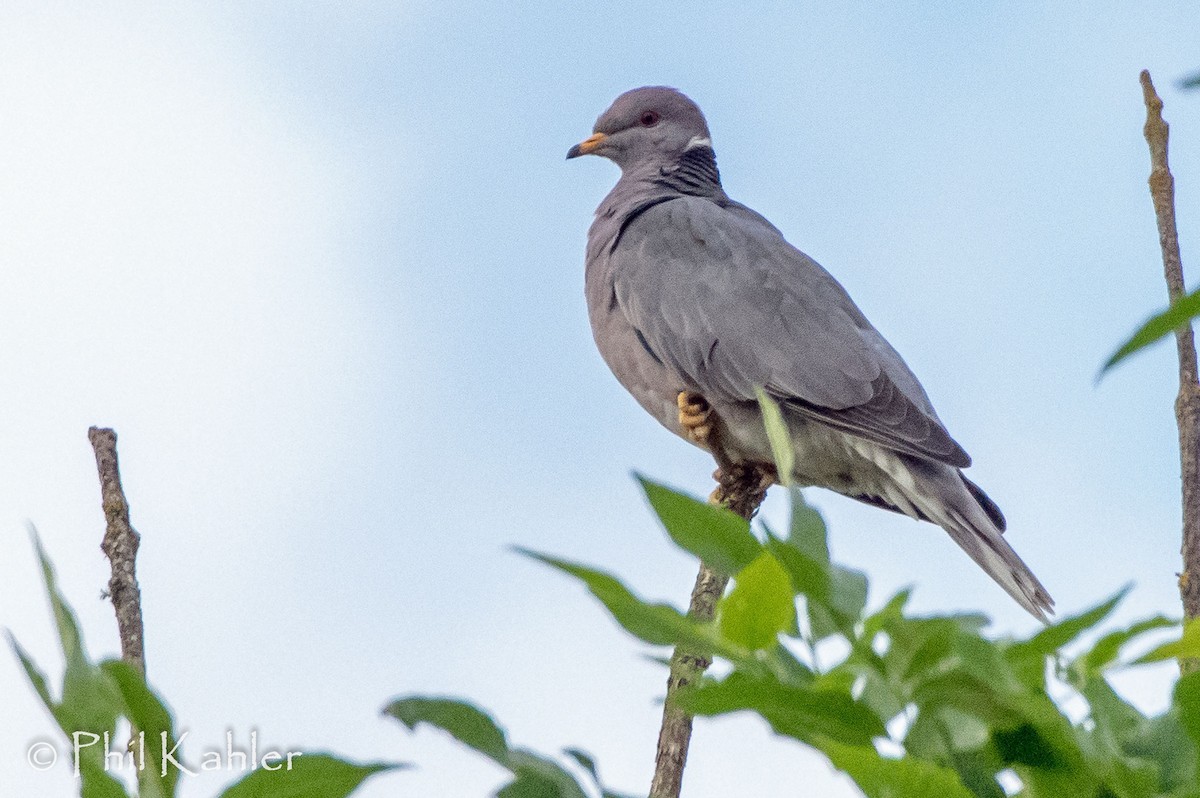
(631, 361)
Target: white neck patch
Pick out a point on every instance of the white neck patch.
(698, 141)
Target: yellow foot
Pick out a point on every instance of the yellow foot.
(695, 416)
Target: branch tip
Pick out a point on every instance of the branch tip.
(120, 545)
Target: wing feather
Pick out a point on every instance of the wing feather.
(718, 295)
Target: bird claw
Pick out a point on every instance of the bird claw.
(695, 416)
(742, 487)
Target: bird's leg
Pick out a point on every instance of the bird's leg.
(742, 486)
(695, 416)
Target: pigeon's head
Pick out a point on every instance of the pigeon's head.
(653, 125)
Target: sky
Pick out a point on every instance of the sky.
(321, 267)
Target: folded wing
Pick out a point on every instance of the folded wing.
(719, 296)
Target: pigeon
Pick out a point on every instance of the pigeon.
(697, 302)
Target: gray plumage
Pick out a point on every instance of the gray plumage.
(688, 290)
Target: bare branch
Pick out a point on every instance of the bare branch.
(1187, 405)
(120, 546)
(741, 489)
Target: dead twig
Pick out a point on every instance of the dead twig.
(120, 546)
(1187, 404)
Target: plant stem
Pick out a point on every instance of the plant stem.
(676, 733)
(741, 489)
(1187, 404)
(120, 546)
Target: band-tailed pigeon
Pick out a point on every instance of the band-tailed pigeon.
(695, 301)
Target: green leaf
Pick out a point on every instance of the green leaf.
(777, 433)
(64, 618)
(36, 678)
(849, 594)
(880, 777)
(760, 606)
(821, 622)
(809, 577)
(785, 667)
(918, 645)
(530, 785)
(1115, 719)
(944, 731)
(463, 721)
(95, 782)
(534, 776)
(1117, 726)
(1157, 327)
(967, 694)
(1107, 648)
(1053, 782)
(1167, 743)
(977, 769)
(835, 596)
(1187, 702)
(718, 536)
(538, 777)
(657, 624)
(888, 615)
(1186, 647)
(1028, 657)
(807, 531)
(1051, 755)
(1026, 745)
(585, 761)
(840, 609)
(588, 763)
(872, 688)
(792, 711)
(312, 775)
(91, 701)
(149, 715)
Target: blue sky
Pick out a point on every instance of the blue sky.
(321, 266)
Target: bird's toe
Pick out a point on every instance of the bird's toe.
(695, 416)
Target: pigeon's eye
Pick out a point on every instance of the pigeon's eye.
(649, 119)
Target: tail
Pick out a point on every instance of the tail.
(944, 496)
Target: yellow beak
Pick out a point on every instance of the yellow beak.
(587, 146)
